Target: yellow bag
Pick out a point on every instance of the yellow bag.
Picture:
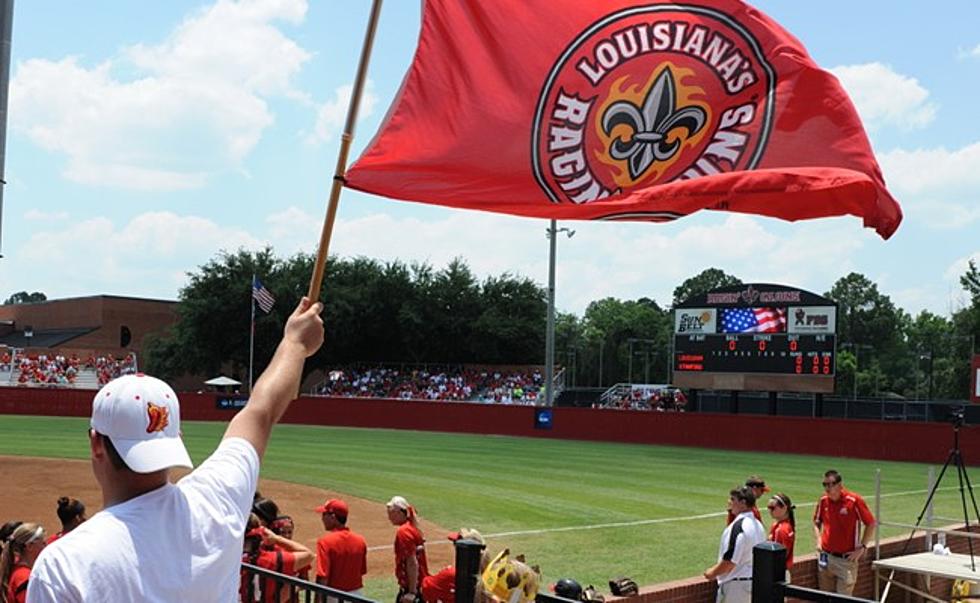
(511, 580)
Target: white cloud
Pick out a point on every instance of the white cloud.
(884, 97)
(940, 186)
(41, 216)
(602, 259)
(197, 104)
(136, 258)
(972, 53)
(331, 115)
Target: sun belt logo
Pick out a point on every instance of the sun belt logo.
(158, 417)
(650, 95)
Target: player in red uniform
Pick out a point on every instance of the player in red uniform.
(17, 559)
(759, 488)
(410, 561)
(441, 586)
(71, 512)
(783, 529)
(341, 555)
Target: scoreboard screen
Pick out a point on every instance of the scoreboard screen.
(756, 353)
(760, 337)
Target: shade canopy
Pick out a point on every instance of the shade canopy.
(222, 380)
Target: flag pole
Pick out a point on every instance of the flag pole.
(251, 337)
(316, 281)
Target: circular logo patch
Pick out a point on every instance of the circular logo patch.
(650, 95)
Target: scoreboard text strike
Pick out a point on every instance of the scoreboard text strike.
(756, 337)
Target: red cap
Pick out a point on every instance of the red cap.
(335, 506)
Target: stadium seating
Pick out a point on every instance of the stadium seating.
(494, 385)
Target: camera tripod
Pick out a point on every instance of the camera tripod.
(955, 457)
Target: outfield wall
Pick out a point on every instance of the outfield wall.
(886, 440)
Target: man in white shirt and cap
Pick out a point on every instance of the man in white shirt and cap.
(154, 540)
(734, 568)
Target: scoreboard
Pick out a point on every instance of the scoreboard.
(756, 337)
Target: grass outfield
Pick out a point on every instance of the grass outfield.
(553, 493)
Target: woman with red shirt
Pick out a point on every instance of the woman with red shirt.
(783, 529)
(17, 559)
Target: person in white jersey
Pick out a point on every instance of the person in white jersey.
(734, 568)
(158, 541)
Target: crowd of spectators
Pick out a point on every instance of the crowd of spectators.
(447, 383)
(59, 370)
(659, 399)
(56, 370)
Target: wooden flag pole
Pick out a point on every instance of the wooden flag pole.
(316, 281)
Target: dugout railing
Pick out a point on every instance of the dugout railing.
(769, 579)
(260, 584)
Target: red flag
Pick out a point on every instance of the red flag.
(622, 110)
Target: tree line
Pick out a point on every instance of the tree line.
(394, 312)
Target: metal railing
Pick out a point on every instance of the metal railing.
(259, 584)
(769, 579)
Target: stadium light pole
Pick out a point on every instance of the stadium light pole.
(549, 354)
(6, 31)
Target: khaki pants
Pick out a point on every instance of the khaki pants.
(839, 576)
(736, 591)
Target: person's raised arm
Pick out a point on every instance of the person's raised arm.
(279, 383)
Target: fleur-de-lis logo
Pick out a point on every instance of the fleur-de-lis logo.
(650, 125)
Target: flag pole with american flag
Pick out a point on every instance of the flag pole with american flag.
(265, 300)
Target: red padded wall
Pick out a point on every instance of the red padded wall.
(921, 442)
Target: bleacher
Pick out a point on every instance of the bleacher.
(460, 383)
(61, 369)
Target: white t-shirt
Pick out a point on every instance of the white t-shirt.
(737, 542)
(180, 542)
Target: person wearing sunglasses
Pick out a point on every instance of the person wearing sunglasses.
(837, 527)
(783, 529)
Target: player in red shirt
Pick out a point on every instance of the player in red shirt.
(265, 549)
(71, 512)
(783, 529)
(759, 488)
(19, 553)
(410, 562)
(840, 544)
(341, 555)
(441, 587)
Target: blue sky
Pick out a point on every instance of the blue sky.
(145, 137)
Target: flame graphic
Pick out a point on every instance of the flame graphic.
(159, 417)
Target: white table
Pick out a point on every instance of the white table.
(954, 566)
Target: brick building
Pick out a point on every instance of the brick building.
(101, 323)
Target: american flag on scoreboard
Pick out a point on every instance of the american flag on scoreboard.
(262, 296)
(753, 320)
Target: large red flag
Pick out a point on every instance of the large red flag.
(622, 110)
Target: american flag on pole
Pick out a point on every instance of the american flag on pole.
(261, 295)
(753, 320)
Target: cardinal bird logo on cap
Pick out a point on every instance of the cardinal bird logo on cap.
(159, 417)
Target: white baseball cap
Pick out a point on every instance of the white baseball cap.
(141, 416)
(398, 502)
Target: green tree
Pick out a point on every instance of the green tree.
(23, 297)
(610, 324)
(707, 280)
(873, 328)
